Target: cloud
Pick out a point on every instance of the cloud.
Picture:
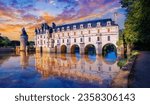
(15, 14)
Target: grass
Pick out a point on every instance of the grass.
(124, 61)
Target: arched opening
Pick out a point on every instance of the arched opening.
(109, 53)
(55, 49)
(63, 49)
(90, 49)
(75, 49)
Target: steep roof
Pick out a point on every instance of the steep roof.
(103, 22)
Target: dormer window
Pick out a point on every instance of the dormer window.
(89, 25)
(108, 23)
(98, 24)
(62, 28)
(68, 27)
(74, 27)
(81, 26)
(58, 29)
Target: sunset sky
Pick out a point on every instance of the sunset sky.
(15, 14)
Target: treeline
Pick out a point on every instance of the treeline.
(137, 24)
(6, 42)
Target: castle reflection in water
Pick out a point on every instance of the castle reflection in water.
(57, 70)
(75, 67)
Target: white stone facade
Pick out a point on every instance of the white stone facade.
(97, 33)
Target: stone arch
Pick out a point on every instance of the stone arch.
(75, 49)
(64, 49)
(90, 49)
(109, 47)
(109, 52)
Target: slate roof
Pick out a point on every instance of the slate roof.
(103, 22)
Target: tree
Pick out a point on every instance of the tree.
(4, 41)
(137, 25)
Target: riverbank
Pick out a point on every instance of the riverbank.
(4, 50)
(139, 76)
(123, 77)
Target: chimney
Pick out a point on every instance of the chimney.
(115, 17)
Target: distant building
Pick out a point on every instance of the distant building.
(66, 38)
(23, 40)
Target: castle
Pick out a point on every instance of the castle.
(84, 36)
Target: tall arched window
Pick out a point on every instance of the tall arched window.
(108, 29)
(108, 38)
(98, 31)
(89, 39)
(89, 32)
(75, 40)
(98, 39)
(74, 33)
(80, 39)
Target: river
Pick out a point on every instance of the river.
(45, 70)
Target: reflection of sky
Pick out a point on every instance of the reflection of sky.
(92, 57)
(110, 57)
(12, 75)
(78, 55)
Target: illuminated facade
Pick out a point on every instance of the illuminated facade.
(65, 38)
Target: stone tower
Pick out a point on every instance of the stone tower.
(23, 40)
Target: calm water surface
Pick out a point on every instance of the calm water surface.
(57, 71)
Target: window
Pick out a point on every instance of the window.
(98, 31)
(80, 39)
(89, 31)
(68, 40)
(57, 41)
(58, 29)
(98, 24)
(74, 40)
(68, 28)
(62, 28)
(89, 25)
(41, 42)
(109, 23)
(74, 27)
(89, 39)
(68, 34)
(63, 40)
(81, 26)
(108, 30)
(98, 39)
(81, 32)
(108, 38)
(62, 34)
(74, 33)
